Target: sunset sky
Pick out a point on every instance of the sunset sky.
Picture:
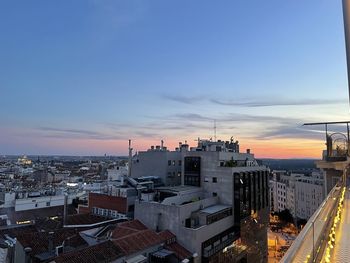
(82, 77)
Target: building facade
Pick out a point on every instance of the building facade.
(220, 210)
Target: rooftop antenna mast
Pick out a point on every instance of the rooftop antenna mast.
(130, 159)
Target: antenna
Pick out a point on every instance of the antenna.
(130, 159)
(214, 130)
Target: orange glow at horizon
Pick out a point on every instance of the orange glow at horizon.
(274, 148)
(285, 148)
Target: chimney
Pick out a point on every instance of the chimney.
(65, 209)
(248, 151)
(161, 144)
(27, 250)
(51, 241)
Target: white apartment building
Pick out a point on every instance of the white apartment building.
(298, 193)
(309, 194)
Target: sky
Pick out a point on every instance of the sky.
(82, 77)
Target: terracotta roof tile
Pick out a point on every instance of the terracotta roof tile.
(138, 241)
(179, 250)
(167, 236)
(39, 241)
(104, 252)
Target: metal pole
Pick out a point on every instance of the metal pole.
(347, 129)
(346, 16)
(313, 241)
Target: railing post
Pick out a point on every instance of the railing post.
(313, 241)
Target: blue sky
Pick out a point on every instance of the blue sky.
(81, 77)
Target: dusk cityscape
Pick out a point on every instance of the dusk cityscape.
(174, 131)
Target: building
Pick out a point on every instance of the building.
(309, 194)
(158, 161)
(220, 211)
(300, 194)
(106, 205)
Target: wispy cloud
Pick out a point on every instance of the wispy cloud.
(183, 99)
(249, 102)
(279, 102)
(65, 133)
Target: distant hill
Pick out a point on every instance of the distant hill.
(295, 165)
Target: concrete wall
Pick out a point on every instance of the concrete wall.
(155, 163)
(308, 198)
(330, 178)
(9, 199)
(19, 253)
(173, 217)
(38, 202)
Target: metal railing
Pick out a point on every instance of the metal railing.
(311, 241)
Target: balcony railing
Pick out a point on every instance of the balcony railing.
(311, 243)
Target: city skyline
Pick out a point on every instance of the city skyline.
(82, 78)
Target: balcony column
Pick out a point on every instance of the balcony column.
(346, 16)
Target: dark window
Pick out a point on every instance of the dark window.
(169, 162)
(254, 208)
(267, 187)
(262, 174)
(180, 162)
(47, 203)
(192, 171)
(188, 222)
(131, 208)
(258, 183)
(218, 216)
(215, 179)
(215, 194)
(240, 198)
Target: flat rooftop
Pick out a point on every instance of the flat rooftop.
(214, 209)
(179, 188)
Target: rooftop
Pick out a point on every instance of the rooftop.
(214, 209)
(104, 252)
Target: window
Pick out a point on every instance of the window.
(169, 162)
(215, 179)
(178, 174)
(173, 163)
(192, 171)
(215, 194)
(36, 205)
(179, 162)
(47, 203)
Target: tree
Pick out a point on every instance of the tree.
(286, 216)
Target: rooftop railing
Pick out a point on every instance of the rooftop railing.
(311, 242)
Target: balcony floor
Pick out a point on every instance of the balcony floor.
(341, 252)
